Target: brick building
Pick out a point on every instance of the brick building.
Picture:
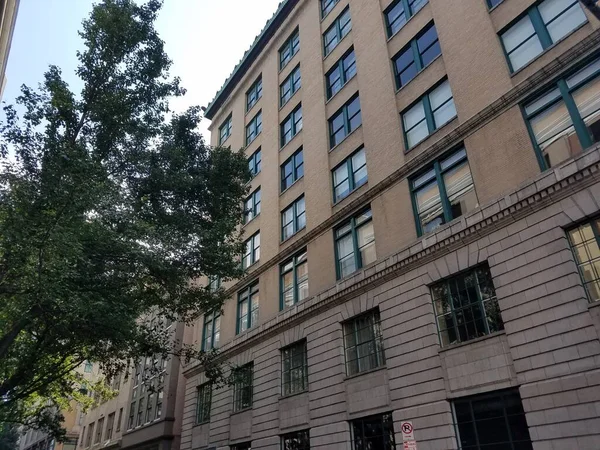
(423, 233)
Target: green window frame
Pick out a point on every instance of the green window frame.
(443, 191)
(585, 244)
(225, 130)
(349, 175)
(466, 306)
(254, 128)
(564, 120)
(416, 55)
(203, 403)
(491, 4)
(398, 13)
(211, 331)
(293, 218)
(254, 163)
(214, 283)
(243, 387)
(539, 28)
(289, 49)
(354, 244)
(290, 86)
(251, 251)
(342, 72)
(347, 119)
(252, 206)
(292, 169)
(294, 369)
(491, 420)
(327, 6)
(88, 367)
(337, 31)
(363, 343)
(254, 94)
(373, 432)
(429, 113)
(293, 280)
(291, 126)
(247, 308)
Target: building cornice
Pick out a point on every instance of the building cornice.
(548, 188)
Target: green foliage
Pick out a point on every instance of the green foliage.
(109, 206)
(9, 436)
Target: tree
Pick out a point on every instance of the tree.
(9, 437)
(110, 207)
(593, 7)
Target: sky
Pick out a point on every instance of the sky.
(204, 38)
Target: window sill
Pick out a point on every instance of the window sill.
(223, 143)
(291, 186)
(436, 131)
(356, 375)
(336, 45)
(288, 143)
(514, 74)
(289, 99)
(282, 68)
(293, 235)
(472, 341)
(341, 89)
(253, 140)
(241, 411)
(495, 7)
(251, 265)
(346, 138)
(592, 305)
(250, 221)
(295, 394)
(248, 111)
(196, 425)
(418, 73)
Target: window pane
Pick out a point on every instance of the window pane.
(555, 134)
(406, 68)
(366, 243)
(334, 82)
(542, 101)
(559, 21)
(584, 73)
(521, 43)
(396, 18)
(413, 116)
(429, 207)
(429, 46)
(442, 104)
(460, 191)
(587, 99)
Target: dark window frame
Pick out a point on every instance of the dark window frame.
(247, 295)
(295, 120)
(254, 94)
(354, 227)
(296, 214)
(339, 66)
(296, 261)
(289, 371)
(203, 403)
(594, 224)
(386, 422)
(297, 440)
(294, 85)
(297, 170)
(491, 4)
(347, 119)
(214, 321)
(327, 6)
(407, 6)
(254, 162)
(350, 327)
(254, 128)
(293, 45)
(338, 28)
(243, 382)
(254, 211)
(353, 184)
(227, 125)
(254, 250)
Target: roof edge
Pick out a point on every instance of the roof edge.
(259, 44)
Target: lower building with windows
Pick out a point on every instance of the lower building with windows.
(422, 231)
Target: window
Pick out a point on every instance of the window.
(119, 419)
(149, 405)
(294, 280)
(373, 432)
(211, 331)
(247, 309)
(254, 94)
(242, 446)
(337, 31)
(345, 121)
(225, 130)
(252, 206)
(130, 422)
(159, 402)
(140, 413)
(542, 26)
(363, 343)
(327, 6)
(294, 369)
(494, 420)
(290, 86)
(80, 442)
(254, 128)
(291, 126)
(417, 55)
(252, 251)
(466, 307)
(88, 442)
(203, 403)
(399, 12)
(254, 163)
(585, 243)
(99, 428)
(298, 440)
(354, 244)
(289, 49)
(566, 119)
(493, 3)
(88, 367)
(431, 112)
(242, 387)
(214, 283)
(293, 219)
(340, 73)
(109, 427)
(292, 169)
(349, 175)
(444, 192)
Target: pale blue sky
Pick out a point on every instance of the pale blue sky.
(196, 32)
